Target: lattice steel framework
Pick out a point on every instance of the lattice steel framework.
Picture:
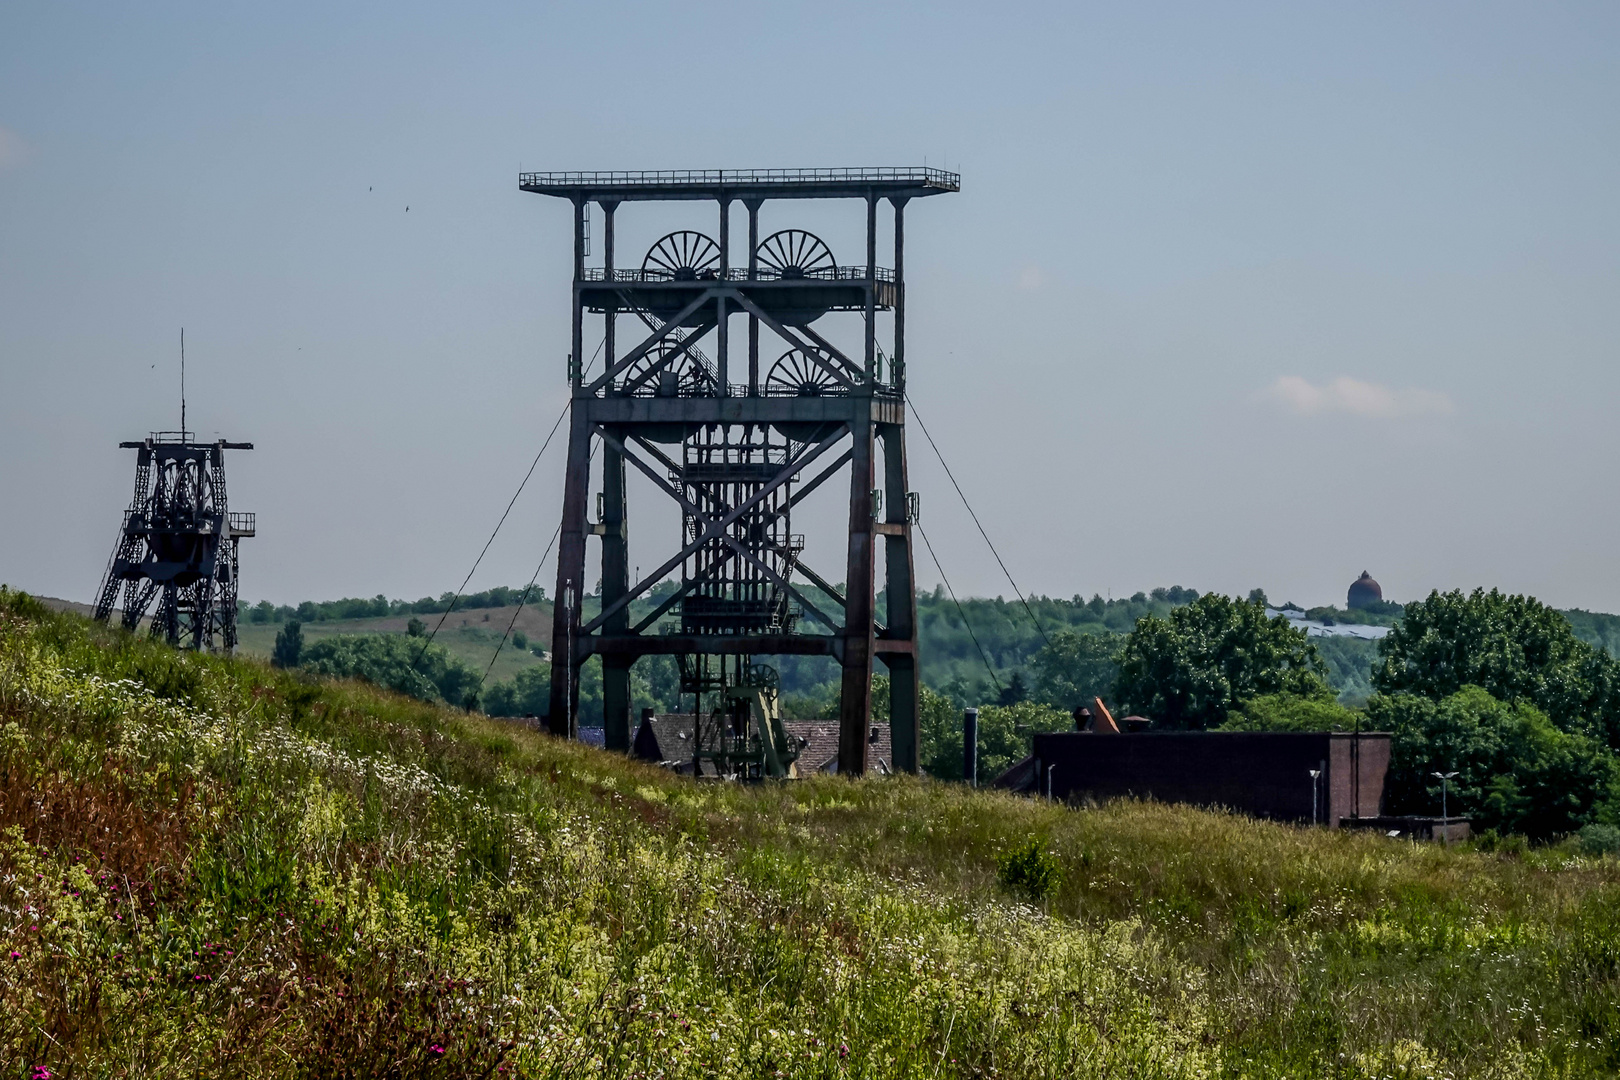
(178, 544)
(749, 452)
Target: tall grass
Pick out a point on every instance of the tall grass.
(209, 868)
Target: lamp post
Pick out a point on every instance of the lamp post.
(970, 746)
(1445, 821)
(1314, 774)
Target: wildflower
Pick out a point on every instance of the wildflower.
(435, 1049)
(15, 955)
(843, 1050)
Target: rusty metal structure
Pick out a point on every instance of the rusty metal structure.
(178, 544)
(738, 448)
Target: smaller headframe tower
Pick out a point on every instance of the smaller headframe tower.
(178, 544)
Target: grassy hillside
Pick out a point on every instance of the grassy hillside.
(469, 636)
(211, 868)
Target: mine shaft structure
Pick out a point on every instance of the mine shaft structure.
(178, 544)
(738, 450)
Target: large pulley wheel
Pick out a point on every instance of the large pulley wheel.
(681, 377)
(795, 253)
(795, 374)
(763, 676)
(683, 256)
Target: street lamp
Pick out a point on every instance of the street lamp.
(1445, 822)
(1314, 774)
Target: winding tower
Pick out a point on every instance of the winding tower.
(178, 544)
(738, 456)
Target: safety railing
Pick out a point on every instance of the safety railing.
(738, 273)
(243, 524)
(935, 178)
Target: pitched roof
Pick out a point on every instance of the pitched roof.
(820, 752)
(668, 739)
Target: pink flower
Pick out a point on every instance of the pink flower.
(15, 955)
(435, 1048)
(843, 1050)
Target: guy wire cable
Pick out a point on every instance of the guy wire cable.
(1027, 609)
(526, 591)
(958, 604)
(457, 598)
(525, 599)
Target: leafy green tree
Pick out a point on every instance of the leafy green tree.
(1005, 734)
(1189, 669)
(1515, 647)
(1516, 771)
(1015, 691)
(396, 662)
(1291, 712)
(940, 721)
(1075, 668)
(289, 645)
(528, 693)
(416, 627)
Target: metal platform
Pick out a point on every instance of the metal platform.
(886, 183)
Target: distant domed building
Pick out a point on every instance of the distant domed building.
(1364, 592)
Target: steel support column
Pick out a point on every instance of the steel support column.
(753, 320)
(899, 582)
(563, 718)
(899, 358)
(615, 583)
(576, 355)
(855, 690)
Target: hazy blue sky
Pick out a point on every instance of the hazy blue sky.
(1234, 295)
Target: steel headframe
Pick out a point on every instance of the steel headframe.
(178, 544)
(748, 451)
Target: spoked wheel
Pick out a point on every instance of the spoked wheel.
(683, 377)
(762, 675)
(683, 256)
(796, 375)
(794, 253)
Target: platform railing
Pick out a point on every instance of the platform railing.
(939, 178)
(737, 273)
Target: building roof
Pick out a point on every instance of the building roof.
(820, 750)
(668, 739)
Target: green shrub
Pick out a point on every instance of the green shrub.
(1291, 712)
(1600, 839)
(1029, 871)
(409, 666)
(289, 648)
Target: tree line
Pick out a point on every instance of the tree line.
(1512, 695)
(380, 606)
